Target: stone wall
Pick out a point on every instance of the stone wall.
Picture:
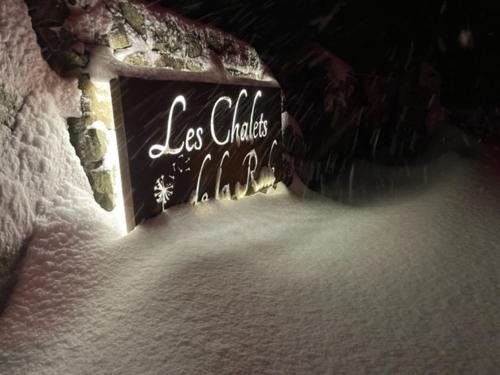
(136, 34)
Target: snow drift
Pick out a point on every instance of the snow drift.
(36, 156)
(270, 284)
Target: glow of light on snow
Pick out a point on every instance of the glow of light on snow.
(112, 160)
(119, 211)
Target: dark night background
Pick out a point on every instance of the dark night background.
(411, 73)
(366, 34)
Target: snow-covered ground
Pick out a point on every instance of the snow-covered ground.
(280, 284)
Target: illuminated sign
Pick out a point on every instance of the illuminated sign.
(187, 142)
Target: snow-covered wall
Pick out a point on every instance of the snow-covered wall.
(37, 159)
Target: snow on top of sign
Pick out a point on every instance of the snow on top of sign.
(105, 67)
(162, 44)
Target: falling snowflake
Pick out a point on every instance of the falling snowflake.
(163, 192)
(176, 166)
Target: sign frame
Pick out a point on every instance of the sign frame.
(249, 86)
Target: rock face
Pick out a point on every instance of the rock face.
(10, 105)
(135, 34)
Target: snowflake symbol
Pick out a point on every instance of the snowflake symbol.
(163, 192)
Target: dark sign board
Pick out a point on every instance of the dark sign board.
(187, 142)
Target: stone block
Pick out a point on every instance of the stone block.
(136, 59)
(10, 104)
(91, 146)
(174, 62)
(133, 17)
(193, 46)
(118, 40)
(215, 41)
(95, 102)
(68, 63)
(102, 183)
